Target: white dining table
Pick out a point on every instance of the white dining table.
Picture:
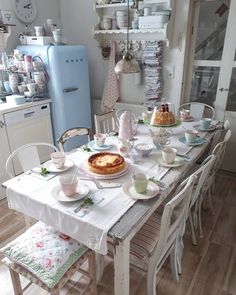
(30, 194)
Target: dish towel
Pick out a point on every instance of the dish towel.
(111, 88)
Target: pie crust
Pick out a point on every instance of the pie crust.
(106, 163)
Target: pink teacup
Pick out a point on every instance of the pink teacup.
(69, 184)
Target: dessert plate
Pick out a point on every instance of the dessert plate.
(176, 124)
(81, 191)
(52, 168)
(152, 191)
(85, 170)
(211, 128)
(92, 145)
(197, 141)
(177, 163)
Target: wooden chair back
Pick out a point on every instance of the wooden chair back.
(105, 123)
(71, 133)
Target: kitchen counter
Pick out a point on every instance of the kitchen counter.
(9, 107)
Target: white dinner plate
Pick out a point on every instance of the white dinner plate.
(152, 191)
(197, 141)
(92, 145)
(52, 168)
(177, 163)
(85, 170)
(211, 128)
(81, 191)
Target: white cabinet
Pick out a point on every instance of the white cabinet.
(22, 124)
(162, 33)
(4, 154)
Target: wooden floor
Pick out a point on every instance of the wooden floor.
(208, 269)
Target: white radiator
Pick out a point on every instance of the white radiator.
(136, 109)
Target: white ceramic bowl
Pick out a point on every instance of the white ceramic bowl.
(144, 149)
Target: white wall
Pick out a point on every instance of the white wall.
(46, 9)
(78, 19)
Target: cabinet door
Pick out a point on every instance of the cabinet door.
(4, 152)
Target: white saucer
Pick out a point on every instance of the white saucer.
(95, 147)
(52, 168)
(152, 191)
(177, 163)
(211, 128)
(197, 141)
(81, 191)
(85, 170)
(189, 119)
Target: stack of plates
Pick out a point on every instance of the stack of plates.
(122, 19)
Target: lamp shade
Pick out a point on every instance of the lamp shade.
(127, 65)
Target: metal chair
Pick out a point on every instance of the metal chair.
(199, 110)
(105, 123)
(157, 239)
(72, 133)
(27, 157)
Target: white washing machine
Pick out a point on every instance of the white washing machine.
(29, 125)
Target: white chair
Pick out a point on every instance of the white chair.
(71, 133)
(157, 239)
(218, 151)
(199, 192)
(26, 158)
(199, 110)
(48, 258)
(105, 123)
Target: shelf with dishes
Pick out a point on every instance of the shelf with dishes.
(154, 23)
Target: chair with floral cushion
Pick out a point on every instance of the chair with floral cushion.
(49, 259)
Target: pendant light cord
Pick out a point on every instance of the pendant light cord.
(127, 46)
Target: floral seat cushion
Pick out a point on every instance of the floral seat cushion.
(45, 252)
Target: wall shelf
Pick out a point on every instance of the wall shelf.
(148, 34)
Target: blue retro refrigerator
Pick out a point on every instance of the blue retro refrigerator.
(68, 87)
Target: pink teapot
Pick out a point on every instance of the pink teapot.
(125, 126)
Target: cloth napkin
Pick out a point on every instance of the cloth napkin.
(111, 88)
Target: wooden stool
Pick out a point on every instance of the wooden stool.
(18, 268)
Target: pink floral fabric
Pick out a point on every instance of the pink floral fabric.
(45, 252)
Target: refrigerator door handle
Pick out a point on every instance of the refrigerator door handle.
(71, 89)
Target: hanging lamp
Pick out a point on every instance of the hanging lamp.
(128, 64)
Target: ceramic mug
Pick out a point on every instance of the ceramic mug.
(190, 135)
(58, 159)
(68, 184)
(168, 155)
(140, 183)
(205, 123)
